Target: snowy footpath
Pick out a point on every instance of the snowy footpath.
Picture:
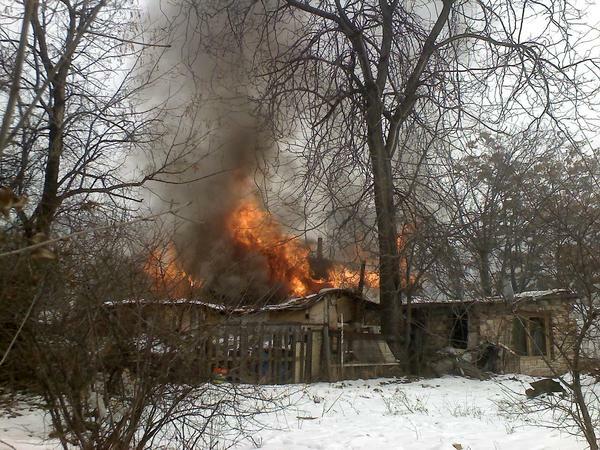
(450, 413)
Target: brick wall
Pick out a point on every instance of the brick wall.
(495, 325)
(493, 322)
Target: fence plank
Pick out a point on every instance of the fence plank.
(272, 373)
(292, 355)
(243, 349)
(259, 353)
(302, 360)
(309, 348)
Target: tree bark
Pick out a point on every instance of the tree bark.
(16, 77)
(50, 201)
(389, 267)
(57, 73)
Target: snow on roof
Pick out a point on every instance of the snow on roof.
(562, 294)
(296, 303)
(567, 293)
(300, 303)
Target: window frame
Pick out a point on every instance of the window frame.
(526, 321)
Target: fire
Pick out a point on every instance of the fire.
(254, 230)
(401, 241)
(344, 277)
(166, 273)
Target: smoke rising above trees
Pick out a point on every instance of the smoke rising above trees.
(215, 77)
(385, 82)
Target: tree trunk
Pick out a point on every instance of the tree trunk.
(484, 273)
(56, 73)
(13, 93)
(50, 201)
(588, 425)
(389, 267)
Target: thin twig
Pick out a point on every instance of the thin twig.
(7, 444)
(89, 230)
(129, 41)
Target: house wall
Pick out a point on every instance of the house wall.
(432, 332)
(186, 317)
(493, 323)
(172, 320)
(317, 314)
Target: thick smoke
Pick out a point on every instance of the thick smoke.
(203, 241)
(231, 141)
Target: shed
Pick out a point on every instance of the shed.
(526, 334)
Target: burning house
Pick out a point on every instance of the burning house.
(332, 334)
(231, 268)
(335, 334)
(261, 304)
(286, 314)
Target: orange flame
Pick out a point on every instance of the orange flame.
(254, 230)
(286, 259)
(167, 275)
(344, 277)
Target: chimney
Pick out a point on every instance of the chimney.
(361, 279)
(320, 248)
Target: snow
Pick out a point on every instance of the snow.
(564, 294)
(426, 414)
(423, 414)
(291, 303)
(23, 425)
(548, 292)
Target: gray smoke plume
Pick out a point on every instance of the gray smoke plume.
(231, 141)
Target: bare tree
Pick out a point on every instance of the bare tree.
(114, 383)
(81, 131)
(367, 82)
(78, 119)
(536, 207)
(494, 192)
(573, 213)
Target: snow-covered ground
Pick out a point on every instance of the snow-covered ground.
(441, 413)
(23, 425)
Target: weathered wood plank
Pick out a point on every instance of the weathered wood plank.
(244, 350)
(302, 358)
(309, 352)
(271, 368)
(292, 355)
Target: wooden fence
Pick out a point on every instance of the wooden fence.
(257, 353)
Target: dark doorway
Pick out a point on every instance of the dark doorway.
(459, 336)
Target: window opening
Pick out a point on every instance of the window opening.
(460, 331)
(530, 336)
